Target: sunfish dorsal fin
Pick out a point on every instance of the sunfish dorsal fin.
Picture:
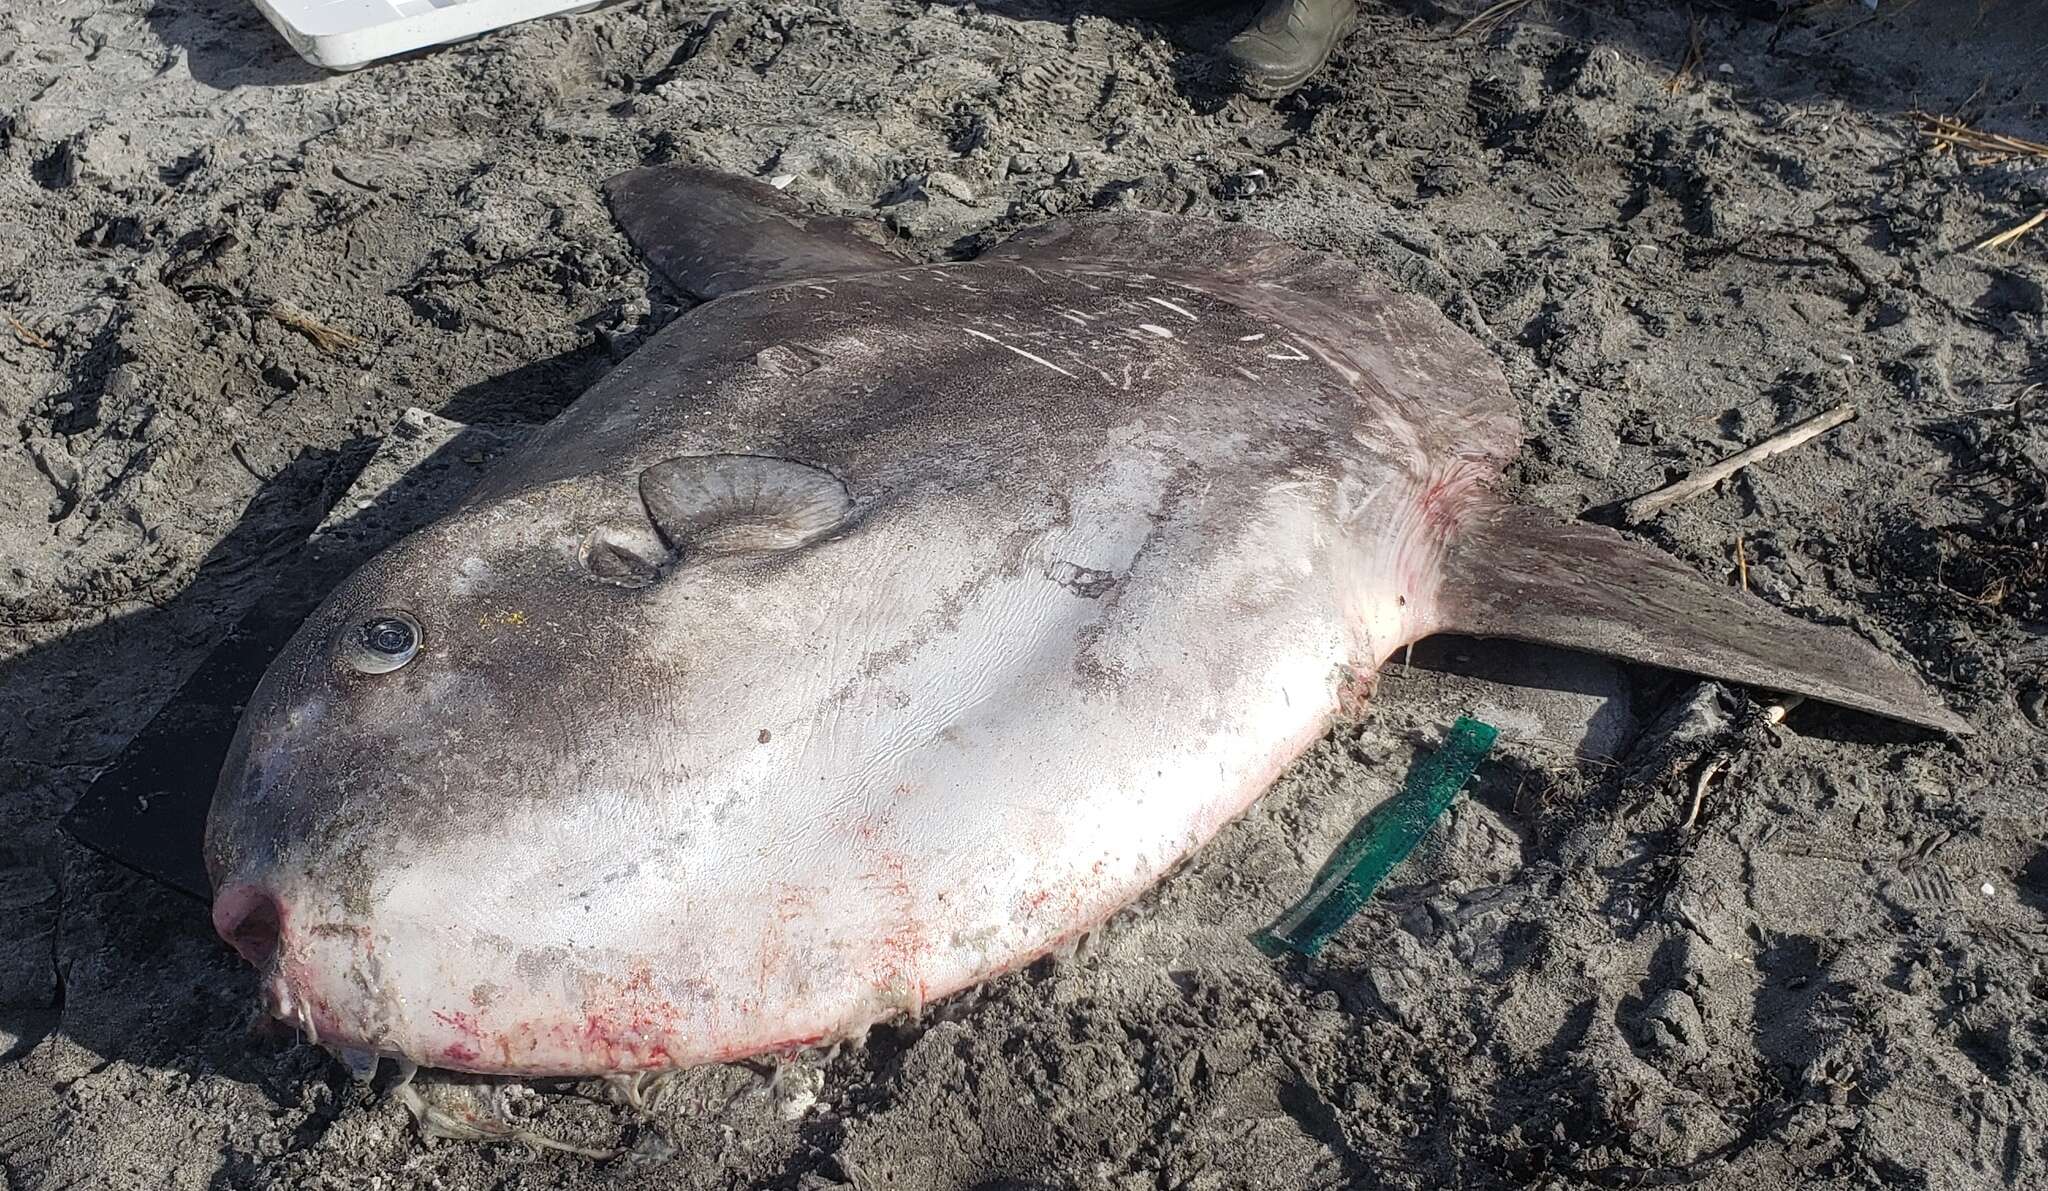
(1527, 575)
(711, 233)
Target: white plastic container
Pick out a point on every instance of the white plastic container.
(346, 34)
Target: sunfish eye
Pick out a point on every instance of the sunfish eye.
(381, 644)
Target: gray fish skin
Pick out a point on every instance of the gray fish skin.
(858, 639)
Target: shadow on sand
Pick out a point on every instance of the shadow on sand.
(229, 44)
(146, 809)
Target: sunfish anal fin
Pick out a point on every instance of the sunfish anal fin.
(710, 233)
(1527, 575)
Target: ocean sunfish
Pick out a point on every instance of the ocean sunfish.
(878, 627)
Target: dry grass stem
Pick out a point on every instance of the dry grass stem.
(324, 337)
(29, 337)
(1642, 508)
(1695, 53)
(1947, 134)
(2011, 234)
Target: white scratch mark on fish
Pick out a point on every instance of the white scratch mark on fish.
(1349, 373)
(1183, 311)
(1083, 362)
(1293, 353)
(1251, 338)
(1162, 332)
(1020, 351)
(1246, 373)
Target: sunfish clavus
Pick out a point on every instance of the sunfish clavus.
(876, 627)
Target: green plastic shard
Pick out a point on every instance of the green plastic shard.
(1383, 840)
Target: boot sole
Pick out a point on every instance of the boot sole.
(1270, 87)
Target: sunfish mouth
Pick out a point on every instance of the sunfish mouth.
(876, 627)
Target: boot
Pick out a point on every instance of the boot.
(1289, 42)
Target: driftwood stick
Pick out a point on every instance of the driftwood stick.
(1642, 508)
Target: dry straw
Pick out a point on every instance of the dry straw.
(29, 337)
(2011, 234)
(324, 337)
(1974, 146)
(1695, 53)
(1947, 134)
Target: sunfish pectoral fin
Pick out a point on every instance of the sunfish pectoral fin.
(737, 504)
(1527, 575)
(711, 233)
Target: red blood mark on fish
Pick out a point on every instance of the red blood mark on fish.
(456, 1054)
(904, 947)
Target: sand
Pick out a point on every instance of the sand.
(226, 277)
